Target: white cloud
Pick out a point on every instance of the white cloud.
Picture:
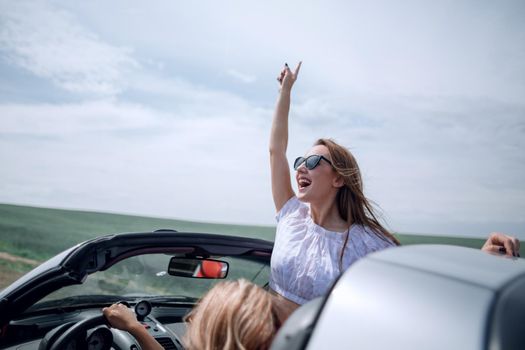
(50, 43)
(70, 119)
(136, 159)
(242, 77)
(184, 94)
(440, 160)
(433, 160)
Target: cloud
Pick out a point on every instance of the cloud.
(70, 119)
(439, 160)
(126, 157)
(242, 77)
(427, 159)
(50, 43)
(180, 94)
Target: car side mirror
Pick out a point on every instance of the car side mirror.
(198, 268)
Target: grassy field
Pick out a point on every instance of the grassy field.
(29, 235)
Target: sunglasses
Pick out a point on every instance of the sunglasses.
(310, 162)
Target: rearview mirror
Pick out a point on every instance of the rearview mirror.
(197, 268)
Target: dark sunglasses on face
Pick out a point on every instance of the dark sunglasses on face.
(310, 162)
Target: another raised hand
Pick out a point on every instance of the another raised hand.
(502, 244)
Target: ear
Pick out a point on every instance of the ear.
(338, 181)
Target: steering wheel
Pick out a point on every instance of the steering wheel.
(73, 332)
(60, 337)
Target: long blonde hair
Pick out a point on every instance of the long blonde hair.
(352, 204)
(233, 315)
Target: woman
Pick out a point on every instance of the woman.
(329, 223)
(223, 319)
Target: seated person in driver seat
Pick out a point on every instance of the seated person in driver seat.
(233, 315)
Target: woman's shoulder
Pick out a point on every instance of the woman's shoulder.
(291, 206)
(370, 237)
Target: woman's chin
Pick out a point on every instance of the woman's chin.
(301, 195)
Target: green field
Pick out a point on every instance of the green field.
(39, 233)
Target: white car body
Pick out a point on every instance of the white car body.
(417, 297)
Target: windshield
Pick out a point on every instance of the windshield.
(146, 276)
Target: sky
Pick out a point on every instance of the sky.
(164, 109)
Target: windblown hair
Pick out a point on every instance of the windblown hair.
(352, 204)
(233, 315)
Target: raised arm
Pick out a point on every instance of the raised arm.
(280, 171)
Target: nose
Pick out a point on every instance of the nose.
(302, 169)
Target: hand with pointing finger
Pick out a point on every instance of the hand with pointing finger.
(287, 78)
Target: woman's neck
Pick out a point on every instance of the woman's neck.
(327, 216)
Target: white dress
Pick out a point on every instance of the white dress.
(305, 258)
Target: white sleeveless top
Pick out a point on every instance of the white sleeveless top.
(305, 258)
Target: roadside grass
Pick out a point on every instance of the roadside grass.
(407, 239)
(11, 271)
(17, 267)
(40, 233)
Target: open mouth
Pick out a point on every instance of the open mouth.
(303, 183)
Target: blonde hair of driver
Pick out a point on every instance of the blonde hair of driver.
(232, 315)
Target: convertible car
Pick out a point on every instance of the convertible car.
(160, 274)
(414, 297)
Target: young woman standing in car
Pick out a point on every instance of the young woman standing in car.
(329, 224)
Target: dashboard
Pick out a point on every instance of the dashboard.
(164, 323)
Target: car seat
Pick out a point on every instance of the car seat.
(297, 329)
